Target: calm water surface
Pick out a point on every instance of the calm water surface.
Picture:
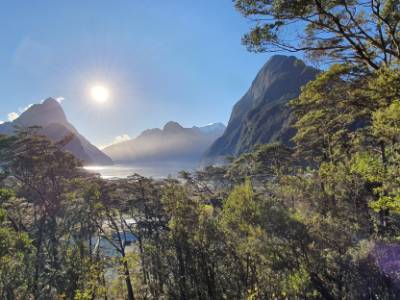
(154, 170)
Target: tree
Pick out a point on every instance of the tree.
(46, 183)
(108, 215)
(345, 31)
(15, 256)
(241, 223)
(329, 112)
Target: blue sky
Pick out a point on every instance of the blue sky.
(163, 60)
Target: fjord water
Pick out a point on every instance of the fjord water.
(155, 170)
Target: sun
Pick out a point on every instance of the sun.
(100, 93)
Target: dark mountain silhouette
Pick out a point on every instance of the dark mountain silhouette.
(50, 116)
(262, 114)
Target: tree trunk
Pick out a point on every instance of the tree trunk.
(128, 282)
(384, 213)
(38, 260)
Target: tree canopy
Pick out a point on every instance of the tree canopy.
(343, 31)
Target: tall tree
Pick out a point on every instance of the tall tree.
(44, 181)
(346, 30)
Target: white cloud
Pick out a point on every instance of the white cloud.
(21, 110)
(12, 116)
(121, 138)
(1, 122)
(118, 139)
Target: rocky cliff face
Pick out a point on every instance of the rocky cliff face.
(173, 143)
(50, 116)
(262, 115)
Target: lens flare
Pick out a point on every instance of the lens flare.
(100, 93)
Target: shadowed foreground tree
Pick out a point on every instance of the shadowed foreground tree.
(343, 31)
(46, 183)
(320, 220)
(318, 231)
(15, 256)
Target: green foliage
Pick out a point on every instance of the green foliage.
(277, 222)
(338, 30)
(307, 222)
(368, 166)
(265, 161)
(386, 122)
(43, 185)
(15, 255)
(241, 211)
(328, 110)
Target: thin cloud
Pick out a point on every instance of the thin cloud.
(12, 116)
(118, 139)
(121, 138)
(33, 56)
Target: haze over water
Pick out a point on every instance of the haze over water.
(155, 170)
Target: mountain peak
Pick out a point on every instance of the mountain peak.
(282, 64)
(262, 114)
(50, 116)
(217, 127)
(51, 101)
(281, 57)
(172, 126)
(42, 114)
(174, 143)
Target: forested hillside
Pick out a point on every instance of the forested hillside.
(319, 220)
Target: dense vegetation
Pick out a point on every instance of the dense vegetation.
(320, 220)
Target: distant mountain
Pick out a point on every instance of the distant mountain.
(214, 127)
(262, 114)
(173, 143)
(50, 116)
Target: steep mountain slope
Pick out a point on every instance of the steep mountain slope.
(50, 116)
(173, 143)
(262, 114)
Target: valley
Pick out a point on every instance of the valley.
(205, 150)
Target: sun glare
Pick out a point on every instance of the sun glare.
(99, 93)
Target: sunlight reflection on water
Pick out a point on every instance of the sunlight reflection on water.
(155, 170)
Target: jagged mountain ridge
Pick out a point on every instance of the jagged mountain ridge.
(51, 117)
(212, 127)
(262, 115)
(172, 143)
